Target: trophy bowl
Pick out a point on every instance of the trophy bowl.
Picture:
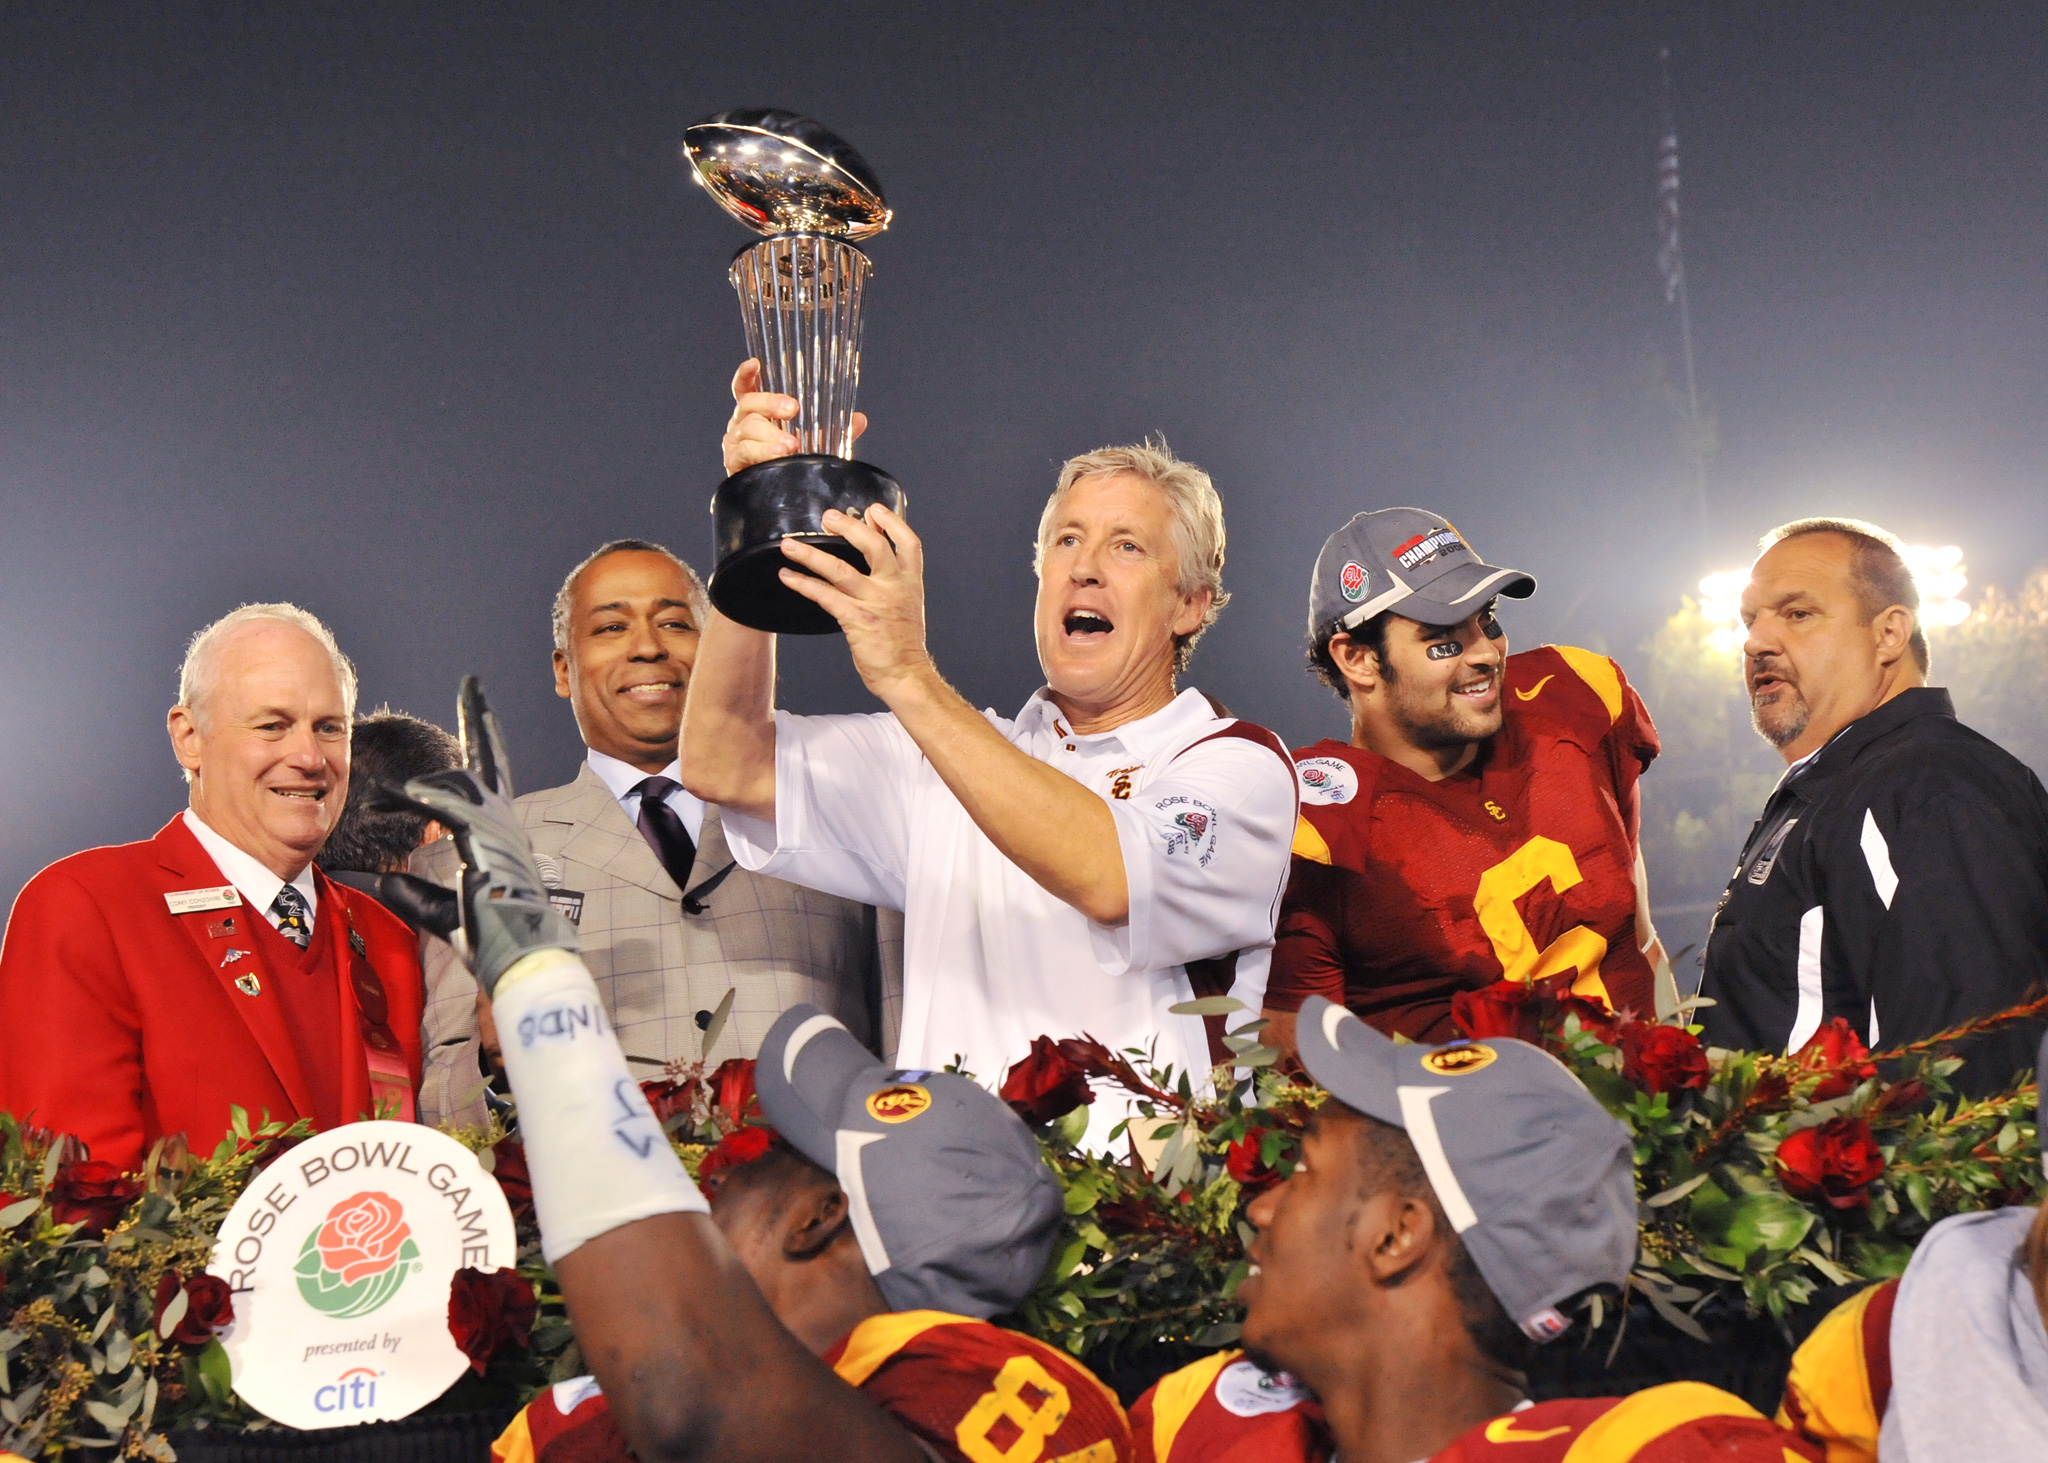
(802, 291)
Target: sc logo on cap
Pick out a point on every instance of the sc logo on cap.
(899, 1103)
(1455, 1061)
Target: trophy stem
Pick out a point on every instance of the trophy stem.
(801, 297)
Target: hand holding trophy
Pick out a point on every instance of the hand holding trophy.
(802, 290)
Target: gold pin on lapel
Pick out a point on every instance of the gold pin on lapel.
(248, 984)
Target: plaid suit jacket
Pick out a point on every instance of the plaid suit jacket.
(657, 966)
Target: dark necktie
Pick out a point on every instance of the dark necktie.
(294, 917)
(664, 831)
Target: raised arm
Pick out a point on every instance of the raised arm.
(1055, 830)
(694, 1363)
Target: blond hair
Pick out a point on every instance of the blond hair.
(1198, 533)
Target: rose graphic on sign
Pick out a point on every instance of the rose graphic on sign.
(358, 1256)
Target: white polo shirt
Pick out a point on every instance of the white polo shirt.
(1204, 808)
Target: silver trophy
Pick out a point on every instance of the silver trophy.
(801, 289)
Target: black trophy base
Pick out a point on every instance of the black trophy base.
(755, 509)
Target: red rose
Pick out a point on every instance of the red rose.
(669, 1098)
(489, 1310)
(1662, 1058)
(209, 1305)
(1835, 1049)
(741, 1145)
(1246, 1163)
(92, 1192)
(1834, 1161)
(508, 1167)
(1045, 1085)
(1505, 1008)
(732, 1088)
(362, 1236)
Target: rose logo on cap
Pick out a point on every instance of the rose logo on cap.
(1456, 1061)
(898, 1104)
(1352, 581)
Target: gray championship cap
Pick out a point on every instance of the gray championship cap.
(949, 1195)
(1536, 1178)
(1407, 561)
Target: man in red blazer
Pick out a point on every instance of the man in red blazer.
(146, 988)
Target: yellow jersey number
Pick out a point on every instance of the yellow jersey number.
(1034, 1422)
(1578, 948)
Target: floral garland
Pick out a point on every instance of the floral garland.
(1762, 1178)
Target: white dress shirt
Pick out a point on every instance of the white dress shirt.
(624, 780)
(991, 960)
(257, 884)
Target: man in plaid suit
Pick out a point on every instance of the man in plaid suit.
(668, 923)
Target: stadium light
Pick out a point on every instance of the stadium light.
(1939, 573)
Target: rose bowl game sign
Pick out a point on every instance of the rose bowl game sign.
(340, 1255)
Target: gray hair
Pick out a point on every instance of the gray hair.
(1198, 534)
(1878, 571)
(202, 653)
(700, 604)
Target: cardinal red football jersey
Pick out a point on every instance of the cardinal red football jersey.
(1405, 891)
(1226, 1410)
(975, 1392)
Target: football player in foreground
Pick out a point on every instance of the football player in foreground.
(1481, 823)
(835, 1308)
(1451, 1204)
(1950, 1360)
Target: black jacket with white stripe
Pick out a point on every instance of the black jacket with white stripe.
(1898, 879)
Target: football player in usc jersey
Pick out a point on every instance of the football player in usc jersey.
(1481, 823)
(838, 1307)
(886, 1277)
(1451, 1204)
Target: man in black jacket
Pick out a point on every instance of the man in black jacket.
(1899, 874)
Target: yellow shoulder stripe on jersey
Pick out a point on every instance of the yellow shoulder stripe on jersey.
(1102, 1450)
(1633, 1423)
(1310, 844)
(878, 1338)
(1598, 672)
(514, 1444)
(1180, 1393)
(1829, 1385)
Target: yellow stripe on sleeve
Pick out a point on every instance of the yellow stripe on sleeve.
(1598, 672)
(1829, 1386)
(878, 1338)
(1310, 844)
(1633, 1423)
(1180, 1393)
(515, 1443)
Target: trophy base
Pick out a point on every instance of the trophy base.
(757, 507)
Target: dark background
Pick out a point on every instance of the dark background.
(396, 311)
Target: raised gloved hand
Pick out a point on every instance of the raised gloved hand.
(505, 910)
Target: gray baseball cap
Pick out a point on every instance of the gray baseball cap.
(1536, 1178)
(950, 1197)
(1407, 561)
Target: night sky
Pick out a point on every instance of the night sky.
(397, 311)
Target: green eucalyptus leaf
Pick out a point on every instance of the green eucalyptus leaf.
(18, 1211)
(1208, 1006)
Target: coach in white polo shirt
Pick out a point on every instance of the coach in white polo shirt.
(1115, 849)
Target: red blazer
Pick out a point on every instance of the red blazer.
(118, 1023)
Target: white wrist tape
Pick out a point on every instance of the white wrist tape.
(597, 1153)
